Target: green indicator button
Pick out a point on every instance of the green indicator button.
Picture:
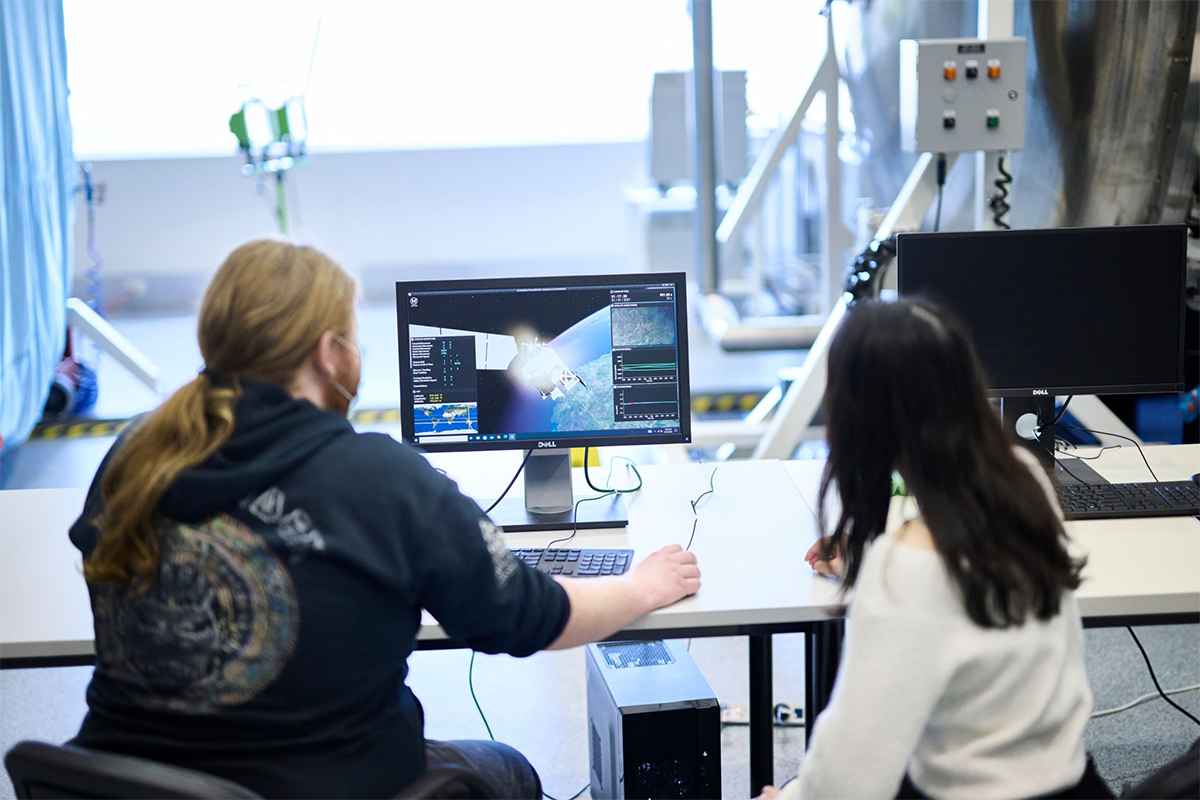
(993, 121)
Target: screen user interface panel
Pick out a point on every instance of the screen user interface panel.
(490, 364)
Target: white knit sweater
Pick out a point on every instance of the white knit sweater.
(967, 711)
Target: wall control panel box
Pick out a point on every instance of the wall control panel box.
(958, 95)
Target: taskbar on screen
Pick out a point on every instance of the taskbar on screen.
(567, 436)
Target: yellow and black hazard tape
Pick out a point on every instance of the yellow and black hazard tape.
(96, 428)
(376, 416)
(79, 429)
(725, 402)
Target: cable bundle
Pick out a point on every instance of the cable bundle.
(999, 201)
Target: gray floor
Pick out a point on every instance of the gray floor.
(538, 704)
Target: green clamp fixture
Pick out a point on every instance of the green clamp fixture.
(272, 141)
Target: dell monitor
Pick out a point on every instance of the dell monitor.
(544, 365)
(1063, 310)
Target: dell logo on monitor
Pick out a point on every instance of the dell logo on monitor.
(547, 444)
(1040, 392)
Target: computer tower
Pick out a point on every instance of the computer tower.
(653, 722)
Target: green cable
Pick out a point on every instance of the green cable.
(471, 684)
(587, 476)
(613, 462)
(711, 478)
(572, 797)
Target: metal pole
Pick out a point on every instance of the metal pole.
(762, 718)
(704, 141)
(833, 255)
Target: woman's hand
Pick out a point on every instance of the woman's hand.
(768, 793)
(832, 567)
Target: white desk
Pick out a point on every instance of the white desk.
(45, 614)
(1138, 569)
(750, 541)
(752, 535)
(753, 532)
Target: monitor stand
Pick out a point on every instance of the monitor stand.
(1066, 469)
(1013, 408)
(549, 502)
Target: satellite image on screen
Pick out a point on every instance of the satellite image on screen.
(635, 326)
(445, 418)
(533, 363)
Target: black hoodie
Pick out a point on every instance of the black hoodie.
(272, 648)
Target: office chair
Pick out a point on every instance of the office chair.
(449, 781)
(40, 770)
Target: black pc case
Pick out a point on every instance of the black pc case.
(653, 722)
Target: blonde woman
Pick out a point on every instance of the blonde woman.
(258, 570)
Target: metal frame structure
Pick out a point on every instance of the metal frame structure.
(716, 243)
(81, 317)
(803, 397)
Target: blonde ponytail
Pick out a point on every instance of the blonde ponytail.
(261, 318)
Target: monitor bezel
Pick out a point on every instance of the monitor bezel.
(677, 279)
(1062, 389)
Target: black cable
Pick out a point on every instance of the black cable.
(528, 453)
(1119, 436)
(941, 183)
(1154, 678)
(1054, 459)
(999, 201)
(603, 493)
(1103, 450)
(1062, 410)
(575, 515)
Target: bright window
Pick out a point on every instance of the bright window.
(159, 79)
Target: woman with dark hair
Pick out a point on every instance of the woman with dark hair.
(962, 674)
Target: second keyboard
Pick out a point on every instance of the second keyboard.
(1162, 499)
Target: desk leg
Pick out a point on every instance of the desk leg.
(762, 732)
(822, 652)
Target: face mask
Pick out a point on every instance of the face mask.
(351, 397)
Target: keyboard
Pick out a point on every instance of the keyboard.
(579, 563)
(1102, 501)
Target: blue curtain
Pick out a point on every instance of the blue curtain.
(37, 214)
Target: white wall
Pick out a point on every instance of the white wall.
(168, 223)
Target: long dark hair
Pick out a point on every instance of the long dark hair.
(906, 393)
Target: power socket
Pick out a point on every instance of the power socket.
(786, 715)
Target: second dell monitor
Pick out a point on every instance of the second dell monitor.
(535, 363)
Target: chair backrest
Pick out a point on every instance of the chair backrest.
(40, 770)
(449, 781)
(1179, 778)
